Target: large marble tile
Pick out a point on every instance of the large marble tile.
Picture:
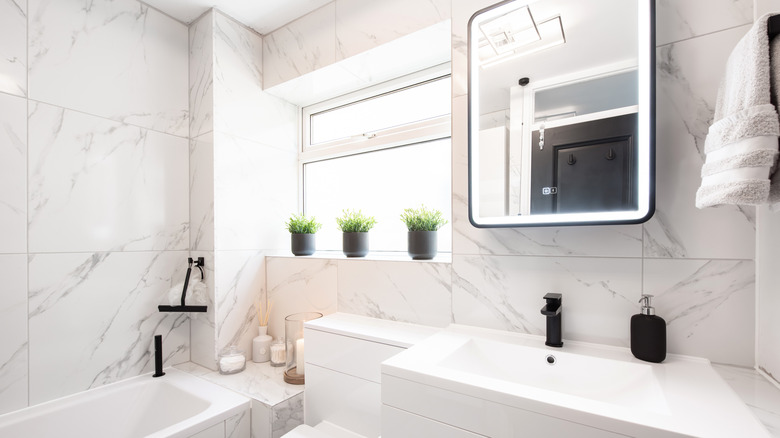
(300, 47)
(99, 185)
(238, 426)
(14, 347)
(117, 59)
(255, 190)
(362, 25)
(93, 317)
(299, 284)
(286, 416)
(761, 396)
(688, 75)
(506, 292)
(240, 282)
(708, 305)
(679, 20)
(13, 175)
(242, 109)
(767, 298)
(418, 293)
(202, 193)
(201, 78)
(13, 47)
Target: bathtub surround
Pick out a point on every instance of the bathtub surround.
(94, 219)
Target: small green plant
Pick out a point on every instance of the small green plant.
(300, 224)
(355, 222)
(423, 219)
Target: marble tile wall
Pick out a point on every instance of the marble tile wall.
(243, 170)
(94, 211)
(699, 263)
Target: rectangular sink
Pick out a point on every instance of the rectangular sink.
(595, 378)
(494, 383)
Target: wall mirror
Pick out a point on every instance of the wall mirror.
(562, 113)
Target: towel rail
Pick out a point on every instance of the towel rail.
(183, 307)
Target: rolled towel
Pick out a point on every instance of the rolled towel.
(197, 291)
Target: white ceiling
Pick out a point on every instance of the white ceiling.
(263, 16)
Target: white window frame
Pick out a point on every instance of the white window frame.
(418, 132)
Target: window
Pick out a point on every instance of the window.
(380, 150)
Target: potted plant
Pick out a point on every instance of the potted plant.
(354, 226)
(302, 229)
(422, 223)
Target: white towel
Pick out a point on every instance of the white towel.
(197, 291)
(742, 143)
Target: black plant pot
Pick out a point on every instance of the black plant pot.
(422, 244)
(355, 244)
(302, 244)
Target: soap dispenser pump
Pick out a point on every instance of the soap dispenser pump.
(648, 333)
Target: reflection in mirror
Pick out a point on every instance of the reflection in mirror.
(561, 113)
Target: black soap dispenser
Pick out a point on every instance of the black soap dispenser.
(648, 333)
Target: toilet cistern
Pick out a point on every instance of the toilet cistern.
(552, 310)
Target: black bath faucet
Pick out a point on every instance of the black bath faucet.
(158, 357)
(552, 310)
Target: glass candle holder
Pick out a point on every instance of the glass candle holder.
(294, 369)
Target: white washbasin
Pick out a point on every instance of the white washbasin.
(596, 378)
(482, 381)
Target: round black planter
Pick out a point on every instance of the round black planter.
(355, 244)
(302, 244)
(422, 244)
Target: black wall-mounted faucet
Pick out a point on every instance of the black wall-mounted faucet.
(158, 357)
(552, 310)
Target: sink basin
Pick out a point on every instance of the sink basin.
(469, 381)
(595, 378)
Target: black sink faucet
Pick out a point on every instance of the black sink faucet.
(552, 310)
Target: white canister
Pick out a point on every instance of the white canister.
(261, 345)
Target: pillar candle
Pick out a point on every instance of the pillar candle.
(299, 362)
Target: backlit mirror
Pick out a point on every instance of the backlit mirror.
(561, 113)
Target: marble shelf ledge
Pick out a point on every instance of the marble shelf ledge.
(259, 381)
(392, 256)
(761, 396)
(277, 406)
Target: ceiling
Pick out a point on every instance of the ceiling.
(263, 16)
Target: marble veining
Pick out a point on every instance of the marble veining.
(286, 416)
(13, 48)
(695, 297)
(680, 20)
(201, 75)
(397, 291)
(240, 282)
(14, 345)
(98, 185)
(111, 341)
(761, 396)
(13, 178)
(202, 193)
(140, 74)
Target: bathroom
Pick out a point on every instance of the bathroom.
(132, 141)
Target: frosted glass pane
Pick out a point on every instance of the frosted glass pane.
(381, 184)
(381, 112)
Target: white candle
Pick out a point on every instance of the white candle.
(299, 363)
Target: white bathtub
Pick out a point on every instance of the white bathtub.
(174, 405)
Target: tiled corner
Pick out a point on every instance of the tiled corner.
(13, 175)
(93, 317)
(300, 284)
(201, 192)
(120, 60)
(239, 283)
(14, 345)
(201, 75)
(418, 293)
(362, 25)
(13, 47)
(100, 185)
(300, 47)
(708, 305)
(203, 327)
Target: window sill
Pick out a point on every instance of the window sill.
(384, 256)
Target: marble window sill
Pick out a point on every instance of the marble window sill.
(391, 256)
